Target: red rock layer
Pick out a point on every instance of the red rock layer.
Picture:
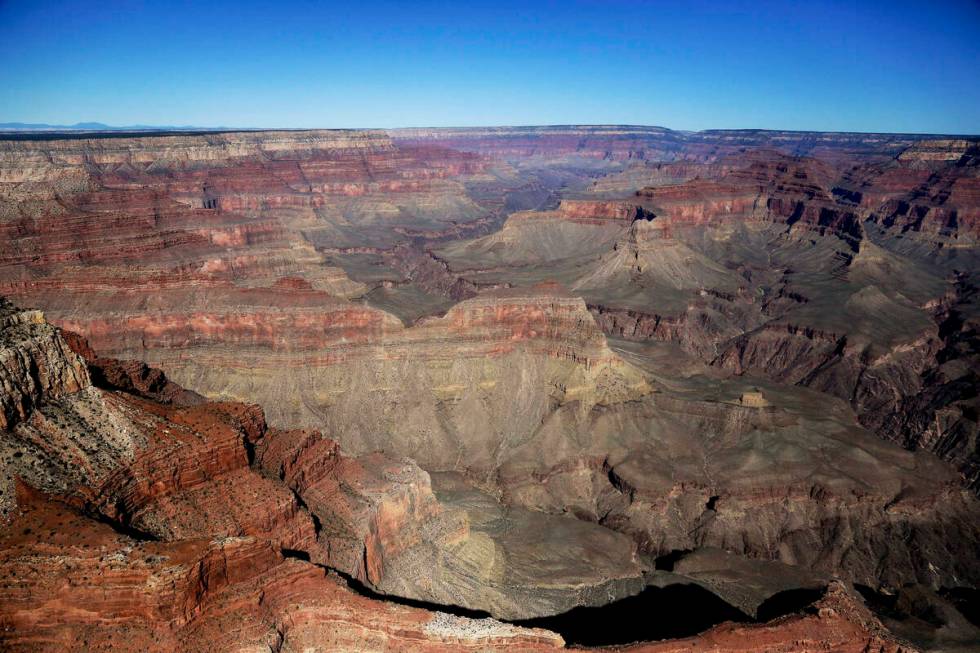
(938, 194)
(545, 320)
(366, 509)
(72, 584)
(943, 205)
(590, 212)
(137, 214)
(774, 188)
(132, 377)
(320, 330)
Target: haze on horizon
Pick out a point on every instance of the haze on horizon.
(831, 66)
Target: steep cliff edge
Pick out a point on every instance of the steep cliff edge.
(34, 364)
(85, 587)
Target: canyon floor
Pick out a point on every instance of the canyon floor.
(481, 389)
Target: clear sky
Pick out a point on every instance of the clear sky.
(856, 65)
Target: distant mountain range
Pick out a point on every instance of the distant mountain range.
(97, 126)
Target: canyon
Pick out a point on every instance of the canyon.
(486, 388)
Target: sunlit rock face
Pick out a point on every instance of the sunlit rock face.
(35, 365)
(518, 371)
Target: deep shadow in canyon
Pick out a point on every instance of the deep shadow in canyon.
(653, 614)
(656, 613)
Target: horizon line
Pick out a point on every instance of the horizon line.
(80, 128)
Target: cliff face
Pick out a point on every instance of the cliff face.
(333, 363)
(34, 363)
(220, 594)
(211, 210)
(210, 499)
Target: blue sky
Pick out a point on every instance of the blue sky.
(859, 66)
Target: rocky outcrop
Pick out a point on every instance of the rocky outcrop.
(165, 472)
(131, 377)
(34, 363)
(368, 510)
(598, 212)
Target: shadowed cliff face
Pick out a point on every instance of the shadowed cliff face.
(518, 364)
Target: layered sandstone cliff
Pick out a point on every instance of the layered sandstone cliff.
(33, 364)
(346, 366)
